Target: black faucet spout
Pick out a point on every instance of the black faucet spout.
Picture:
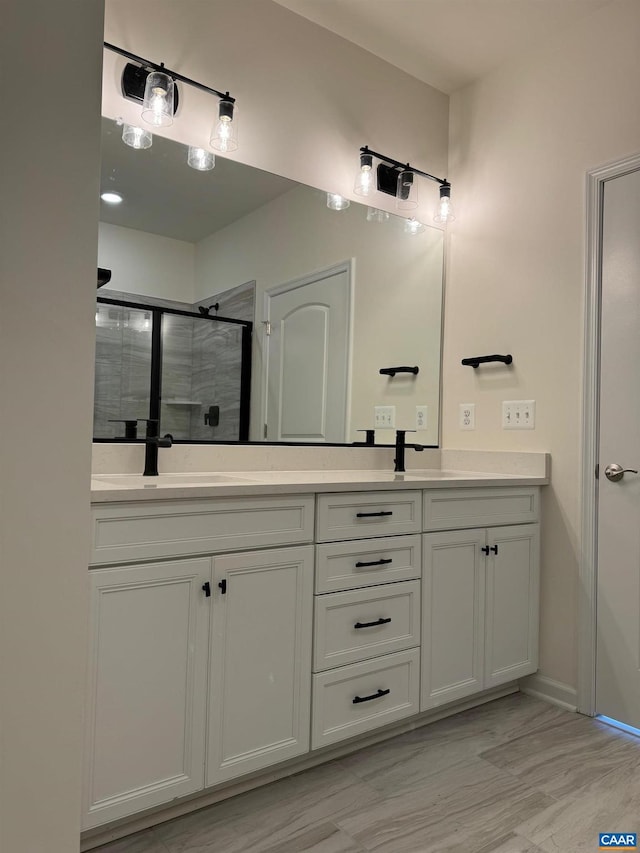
(401, 447)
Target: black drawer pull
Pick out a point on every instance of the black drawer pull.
(372, 514)
(380, 621)
(485, 549)
(381, 562)
(494, 548)
(358, 699)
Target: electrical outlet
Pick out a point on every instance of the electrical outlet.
(384, 417)
(467, 415)
(518, 414)
(421, 417)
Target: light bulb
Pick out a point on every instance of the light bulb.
(407, 191)
(337, 202)
(147, 322)
(375, 215)
(224, 136)
(200, 159)
(364, 178)
(136, 137)
(444, 212)
(413, 227)
(157, 106)
(111, 198)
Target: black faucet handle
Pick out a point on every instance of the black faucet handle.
(370, 437)
(130, 426)
(165, 441)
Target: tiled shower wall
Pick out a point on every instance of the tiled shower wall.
(201, 367)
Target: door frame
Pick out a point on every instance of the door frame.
(347, 267)
(588, 578)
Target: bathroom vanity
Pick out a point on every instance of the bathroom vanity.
(242, 621)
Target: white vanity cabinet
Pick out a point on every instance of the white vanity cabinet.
(145, 725)
(479, 591)
(200, 668)
(367, 612)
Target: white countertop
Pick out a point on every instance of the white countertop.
(135, 487)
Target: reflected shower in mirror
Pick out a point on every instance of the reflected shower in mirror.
(334, 297)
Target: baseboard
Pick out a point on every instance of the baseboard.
(549, 690)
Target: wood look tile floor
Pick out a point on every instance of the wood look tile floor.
(514, 776)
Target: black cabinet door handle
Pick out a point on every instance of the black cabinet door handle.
(374, 514)
(206, 588)
(494, 548)
(485, 549)
(381, 562)
(223, 587)
(358, 699)
(380, 621)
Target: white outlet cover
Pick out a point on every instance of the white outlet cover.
(467, 419)
(421, 417)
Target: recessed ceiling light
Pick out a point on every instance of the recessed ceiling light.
(111, 198)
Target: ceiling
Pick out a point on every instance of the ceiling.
(445, 43)
(162, 195)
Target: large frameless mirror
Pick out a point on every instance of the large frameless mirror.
(254, 279)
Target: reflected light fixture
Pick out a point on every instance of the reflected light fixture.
(375, 215)
(445, 212)
(364, 178)
(337, 202)
(413, 227)
(111, 197)
(399, 179)
(224, 136)
(157, 103)
(136, 137)
(200, 159)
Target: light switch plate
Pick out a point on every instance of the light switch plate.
(518, 414)
(384, 417)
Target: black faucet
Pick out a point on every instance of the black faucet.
(401, 446)
(152, 442)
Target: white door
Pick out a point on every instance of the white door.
(260, 681)
(308, 358)
(618, 602)
(148, 686)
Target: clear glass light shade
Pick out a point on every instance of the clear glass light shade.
(413, 227)
(444, 212)
(407, 191)
(364, 181)
(200, 159)
(157, 106)
(136, 137)
(224, 136)
(337, 202)
(375, 215)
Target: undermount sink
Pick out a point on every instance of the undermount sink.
(167, 481)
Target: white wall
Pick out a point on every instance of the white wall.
(522, 140)
(307, 99)
(397, 295)
(147, 264)
(47, 292)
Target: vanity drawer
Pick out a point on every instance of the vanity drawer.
(361, 514)
(361, 624)
(349, 565)
(139, 531)
(354, 699)
(447, 509)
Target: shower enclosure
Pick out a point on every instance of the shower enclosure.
(191, 372)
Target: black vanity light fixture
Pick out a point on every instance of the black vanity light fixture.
(399, 180)
(155, 87)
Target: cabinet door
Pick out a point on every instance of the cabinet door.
(148, 684)
(511, 638)
(260, 681)
(452, 616)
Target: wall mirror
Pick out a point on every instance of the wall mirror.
(330, 297)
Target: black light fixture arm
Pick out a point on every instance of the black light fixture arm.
(366, 150)
(153, 66)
